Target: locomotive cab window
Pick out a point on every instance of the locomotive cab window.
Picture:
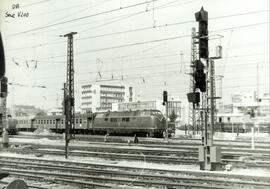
(125, 119)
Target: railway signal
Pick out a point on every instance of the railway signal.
(200, 76)
(165, 103)
(165, 97)
(202, 18)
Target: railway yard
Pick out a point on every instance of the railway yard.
(141, 94)
(118, 163)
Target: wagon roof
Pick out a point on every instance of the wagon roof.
(126, 113)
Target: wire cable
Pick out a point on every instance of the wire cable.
(153, 41)
(80, 18)
(140, 29)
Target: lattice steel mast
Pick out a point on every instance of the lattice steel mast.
(69, 100)
(193, 114)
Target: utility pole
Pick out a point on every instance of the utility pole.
(258, 91)
(66, 113)
(3, 88)
(3, 103)
(258, 84)
(182, 63)
(220, 91)
(69, 100)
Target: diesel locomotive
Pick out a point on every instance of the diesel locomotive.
(141, 122)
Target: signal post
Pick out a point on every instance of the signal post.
(165, 103)
(209, 155)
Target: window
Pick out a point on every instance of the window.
(80, 120)
(47, 122)
(76, 120)
(54, 121)
(50, 122)
(125, 119)
(62, 121)
(113, 119)
(105, 119)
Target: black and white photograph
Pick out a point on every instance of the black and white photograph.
(134, 94)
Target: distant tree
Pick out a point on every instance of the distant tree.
(173, 116)
(89, 111)
(41, 113)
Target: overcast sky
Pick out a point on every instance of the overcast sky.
(121, 39)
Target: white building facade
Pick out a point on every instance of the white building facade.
(242, 106)
(98, 98)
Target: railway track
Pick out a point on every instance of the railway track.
(162, 155)
(3, 184)
(92, 175)
(154, 141)
(182, 149)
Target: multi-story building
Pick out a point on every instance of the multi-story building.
(243, 105)
(96, 98)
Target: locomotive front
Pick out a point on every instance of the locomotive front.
(11, 125)
(158, 122)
